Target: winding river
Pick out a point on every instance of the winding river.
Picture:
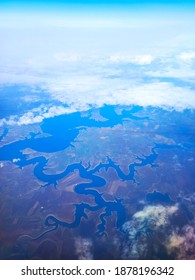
(63, 131)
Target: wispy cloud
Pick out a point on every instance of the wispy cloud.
(188, 56)
(36, 115)
(134, 59)
(182, 243)
(84, 248)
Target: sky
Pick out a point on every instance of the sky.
(110, 52)
(36, 28)
(95, 25)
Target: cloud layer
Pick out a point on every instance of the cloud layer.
(75, 82)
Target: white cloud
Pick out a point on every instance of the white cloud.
(187, 56)
(84, 248)
(134, 59)
(97, 92)
(15, 160)
(156, 214)
(36, 116)
(179, 65)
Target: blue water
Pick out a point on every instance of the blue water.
(63, 131)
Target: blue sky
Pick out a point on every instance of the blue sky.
(98, 2)
(114, 5)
